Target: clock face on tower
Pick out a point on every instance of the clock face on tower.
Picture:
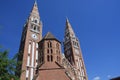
(34, 36)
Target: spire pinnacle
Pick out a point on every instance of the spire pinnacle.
(35, 3)
(67, 20)
(69, 27)
(35, 8)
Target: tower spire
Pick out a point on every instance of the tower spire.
(32, 34)
(69, 27)
(73, 52)
(34, 10)
(67, 20)
(35, 1)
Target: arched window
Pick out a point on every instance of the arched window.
(34, 27)
(51, 58)
(50, 44)
(36, 21)
(48, 58)
(51, 51)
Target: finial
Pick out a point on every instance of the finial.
(67, 20)
(35, 2)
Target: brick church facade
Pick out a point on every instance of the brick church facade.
(42, 57)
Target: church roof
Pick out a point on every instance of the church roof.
(49, 36)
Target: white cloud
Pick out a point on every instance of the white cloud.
(96, 78)
(109, 76)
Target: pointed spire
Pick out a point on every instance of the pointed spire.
(67, 21)
(35, 3)
(35, 9)
(69, 27)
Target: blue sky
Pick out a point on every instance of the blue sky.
(95, 22)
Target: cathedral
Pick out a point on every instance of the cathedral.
(42, 57)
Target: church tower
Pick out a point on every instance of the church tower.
(73, 52)
(42, 58)
(50, 60)
(28, 51)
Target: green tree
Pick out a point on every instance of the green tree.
(8, 66)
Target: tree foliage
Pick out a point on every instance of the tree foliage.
(8, 66)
